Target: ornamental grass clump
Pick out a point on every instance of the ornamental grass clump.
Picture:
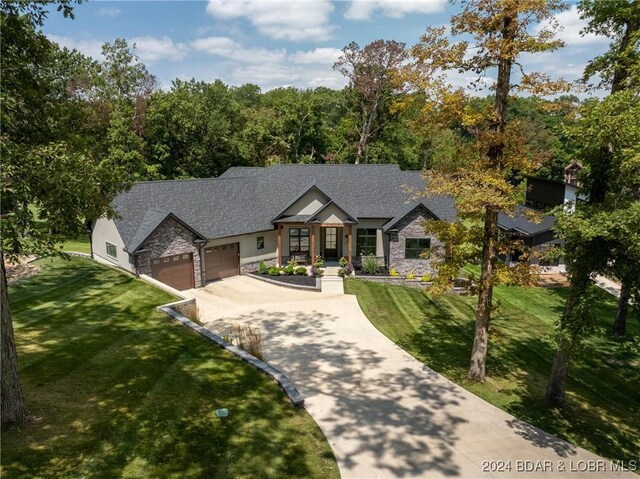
(248, 339)
(370, 265)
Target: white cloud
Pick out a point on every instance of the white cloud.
(269, 76)
(364, 9)
(91, 48)
(151, 49)
(229, 48)
(109, 12)
(280, 19)
(571, 25)
(323, 56)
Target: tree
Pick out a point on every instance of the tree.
(485, 176)
(46, 174)
(611, 151)
(372, 73)
(126, 86)
(195, 130)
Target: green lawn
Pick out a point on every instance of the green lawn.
(78, 245)
(121, 391)
(603, 409)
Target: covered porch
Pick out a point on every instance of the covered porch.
(302, 242)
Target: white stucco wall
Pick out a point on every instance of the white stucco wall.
(308, 203)
(331, 215)
(249, 251)
(105, 231)
(571, 196)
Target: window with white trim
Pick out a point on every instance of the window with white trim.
(112, 250)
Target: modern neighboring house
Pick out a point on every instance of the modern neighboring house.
(188, 232)
(542, 195)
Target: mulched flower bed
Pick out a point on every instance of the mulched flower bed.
(381, 272)
(298, 280)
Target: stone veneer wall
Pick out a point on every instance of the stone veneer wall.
(411, 227)
(170, 238)
(253, 265)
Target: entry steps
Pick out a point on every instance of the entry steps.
(330, 282)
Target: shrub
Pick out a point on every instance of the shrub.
(292, 263)
(370, 265)
(318, 262)
(393, 272)
(426, 278)
(262, 268)
(343, 262)
(274, 271)
(301, 270)
(345, 271)
(249, 339)
(317, 272)
(411, 275)
(288, 270)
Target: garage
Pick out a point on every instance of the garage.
(176, 271)
(221, 261)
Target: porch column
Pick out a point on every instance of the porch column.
(350, 244)
(313, 243)
(279, 246)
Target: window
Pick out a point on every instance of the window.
(417, 248)
(299, 239)
(111, 250)
(260, 242)
(366, 241)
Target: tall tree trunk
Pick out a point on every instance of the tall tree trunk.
(580, 282)
(359, 151)
(583, 266)
(620, 323)
(490, 237)
(557, 385)
(485, 297)
(13, 407)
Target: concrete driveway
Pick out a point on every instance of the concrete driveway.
(385, 414)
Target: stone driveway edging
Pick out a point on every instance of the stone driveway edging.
(282, 379)
(302, 287)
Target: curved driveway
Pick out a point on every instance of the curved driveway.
(385, 414)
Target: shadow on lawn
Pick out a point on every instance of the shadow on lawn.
(120, 390)
(608, 427)
(520, 364)
(405, 438)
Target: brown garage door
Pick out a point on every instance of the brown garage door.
(221, 261)
(176, 271)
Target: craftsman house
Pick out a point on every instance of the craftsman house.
(188, 232)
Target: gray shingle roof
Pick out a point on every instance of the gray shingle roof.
(246, 199)
(408, 208)
(522, 223)
(293, 219)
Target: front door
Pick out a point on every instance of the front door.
(330, 243)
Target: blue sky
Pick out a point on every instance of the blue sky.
(277, 43)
